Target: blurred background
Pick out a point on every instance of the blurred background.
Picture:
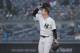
(18, 26)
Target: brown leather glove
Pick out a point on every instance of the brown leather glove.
(55, 45)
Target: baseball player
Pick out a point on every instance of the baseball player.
(47, 30)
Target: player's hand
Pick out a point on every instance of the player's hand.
(35, 12)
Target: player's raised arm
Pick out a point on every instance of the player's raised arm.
(37, 14)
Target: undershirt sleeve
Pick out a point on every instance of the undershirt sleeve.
(54, 29)
(54, 34)
(53, 25)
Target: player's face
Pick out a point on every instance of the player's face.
(44, 12)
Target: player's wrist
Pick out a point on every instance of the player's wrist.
(55, 40)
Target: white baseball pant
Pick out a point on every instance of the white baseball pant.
(45, 44)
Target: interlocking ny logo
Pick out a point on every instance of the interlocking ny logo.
(46, 25)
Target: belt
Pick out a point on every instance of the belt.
(44, 36)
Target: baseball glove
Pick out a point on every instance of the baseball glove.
(55, 46)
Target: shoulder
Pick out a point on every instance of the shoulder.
(51, 19)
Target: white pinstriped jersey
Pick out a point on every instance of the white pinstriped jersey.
(46, 26)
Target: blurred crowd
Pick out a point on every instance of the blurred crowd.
(19, 24)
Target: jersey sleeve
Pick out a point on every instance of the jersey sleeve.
(53, 25)
(38, 16)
